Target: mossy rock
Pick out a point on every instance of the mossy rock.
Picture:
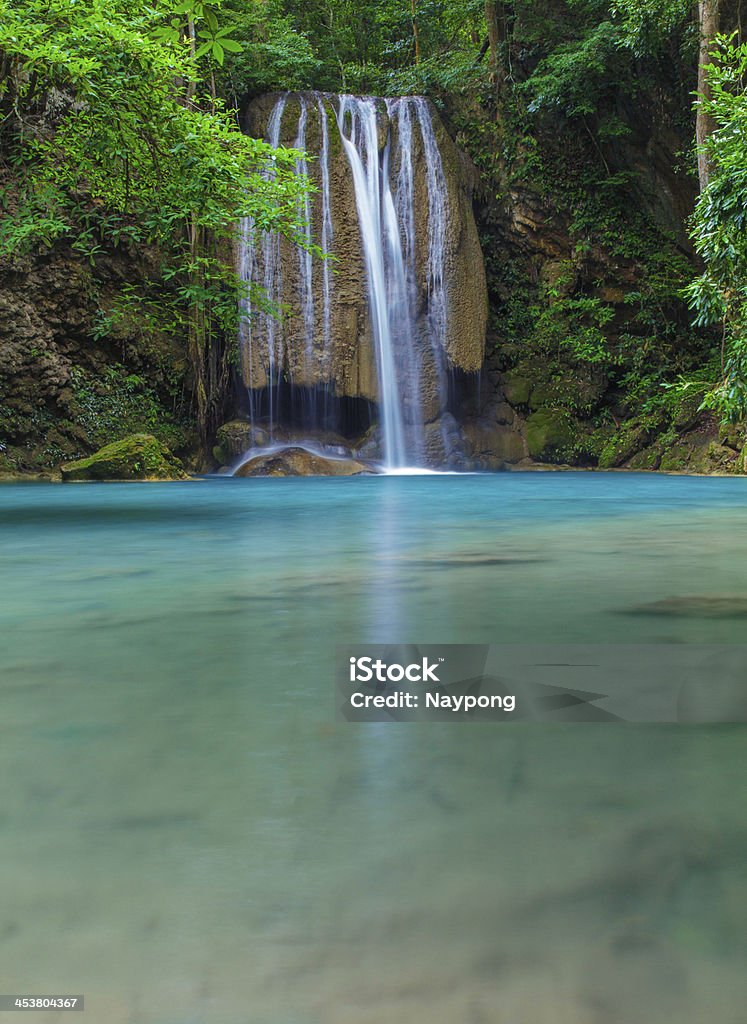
(687, 412)
(700, 456)
(236, 437)
(582, 390)
(732, 435)
(138, 457)
(491, 444)
(542, 395)
(504, 414)
(649, 458)
(516, 388)
(627, 441)
(676, 458)
(547, 433)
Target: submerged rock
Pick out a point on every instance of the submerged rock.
(138, 457)
(300, 462)
(702, 606)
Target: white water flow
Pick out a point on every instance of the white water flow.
(327, 228)
(437, 223)
(407, 303)
(379, 235)
(268, 271)
(304, 256)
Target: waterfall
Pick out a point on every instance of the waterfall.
(399, 191)
(327, 229)
(259, 316)
(304, 256)
(437, 224)
(384, 263)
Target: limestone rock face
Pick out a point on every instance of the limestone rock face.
(465, 269)
(492, 445)
(300, 462)
(444, 443)
(345, 362)
(139, 457)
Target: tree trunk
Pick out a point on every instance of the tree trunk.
(415, 30)
(708, 22)
(196, 332)
(494, 36)
(496, 21)
(191, 35)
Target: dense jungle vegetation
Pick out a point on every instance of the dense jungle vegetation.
(120, 137)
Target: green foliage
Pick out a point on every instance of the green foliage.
(116, 132)
(575, 75)
(109, 138)
(115, 403)
(355, 46)
(719, 296)
(274, 53)
(645, 25)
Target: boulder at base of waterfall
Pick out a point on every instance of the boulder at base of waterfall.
(139, 457)
(239, 436)
(300, 462)
(236, 437)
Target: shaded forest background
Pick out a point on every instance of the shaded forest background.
(610, 201)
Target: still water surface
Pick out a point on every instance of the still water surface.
(187, 835)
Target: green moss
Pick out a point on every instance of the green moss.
(732, 435)
(7, 467)
(626, 442)
(700, 455)
(548, 433)
(687, 410)
(517, 388)
(140, 457)
(649, 458)
(676, 458)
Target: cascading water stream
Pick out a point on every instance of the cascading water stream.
(392, 158)
(327, 228)
(270, 273)
(437, 223)
(371, 194)
(304, 256)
